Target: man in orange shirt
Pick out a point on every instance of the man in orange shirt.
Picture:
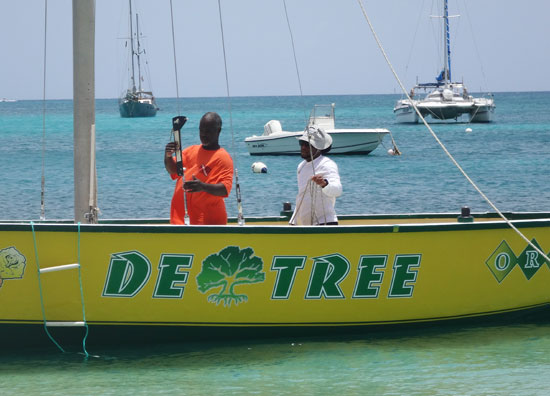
(208, 176)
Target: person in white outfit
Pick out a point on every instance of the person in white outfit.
(318, 181)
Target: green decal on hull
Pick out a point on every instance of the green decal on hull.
(286, 267)
(503, 260)
(12, 264)
(227, 269)
(172, 277)
(530, 260)
(370, 276)
(405, 271)
(232, 266)
(128, 273)
(327, 273)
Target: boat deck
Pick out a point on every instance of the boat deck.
(344, 220)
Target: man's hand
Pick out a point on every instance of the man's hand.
(320, 180)
(170, 149)
(194, 185)
(169, 164)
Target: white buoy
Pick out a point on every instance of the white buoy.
(391, 152)
(259, 167)
(468, 130)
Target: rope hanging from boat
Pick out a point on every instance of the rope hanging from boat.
(40, 289)
(394, 150)
(378, 42)
(240, 217)
(86, 354)
(43, 178)
(82, 295)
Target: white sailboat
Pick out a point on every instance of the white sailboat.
(444, 99)
(136, 102)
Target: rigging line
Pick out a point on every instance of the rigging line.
(436, 37)
(143, 50)
(414, 39)
(313, 212)
(173, 132)
(144, 39)
(175, 60)
(296, 64)
(43, 178)
(441, 143)
(82, 295)
(240, 217)
(301, 94)
(476, 47)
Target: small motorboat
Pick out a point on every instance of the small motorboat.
(275, 141)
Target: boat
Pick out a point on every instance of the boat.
(444, 99)
(136, 102)
(5, 100)
(275, 141)
(104, 281)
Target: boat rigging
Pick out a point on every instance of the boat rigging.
(136, 102)
(444, 99)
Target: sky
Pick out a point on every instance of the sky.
(497, 45)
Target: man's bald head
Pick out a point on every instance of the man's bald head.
(210, 127)
(211, 122)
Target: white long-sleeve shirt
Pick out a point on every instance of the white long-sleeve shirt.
(315, 204)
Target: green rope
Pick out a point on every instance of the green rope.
(86, 354)
(40, 288)
(82, 297)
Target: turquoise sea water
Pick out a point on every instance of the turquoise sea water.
(509, 159)
(476, 361)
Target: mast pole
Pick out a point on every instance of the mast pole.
(132, 48)
(138, 52)
(447, 41)
(85, 188)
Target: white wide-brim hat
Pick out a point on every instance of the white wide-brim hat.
(317, 137)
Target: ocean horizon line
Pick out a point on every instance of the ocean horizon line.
(278, 96)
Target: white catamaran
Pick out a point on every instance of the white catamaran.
(444, 99)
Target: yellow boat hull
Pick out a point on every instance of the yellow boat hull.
(272, 275)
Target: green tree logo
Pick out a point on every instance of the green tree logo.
(12, 264)
(229, 268)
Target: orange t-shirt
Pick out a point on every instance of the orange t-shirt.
(209, 166)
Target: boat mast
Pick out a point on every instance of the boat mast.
(447, 43)
(138, 53)
(132, 48)
(85, 179)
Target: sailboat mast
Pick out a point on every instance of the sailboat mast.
(132, 48)
(138, 52)
(85, 185)
(447, 42)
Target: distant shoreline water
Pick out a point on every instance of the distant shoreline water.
(509, 158)
(283, 96)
